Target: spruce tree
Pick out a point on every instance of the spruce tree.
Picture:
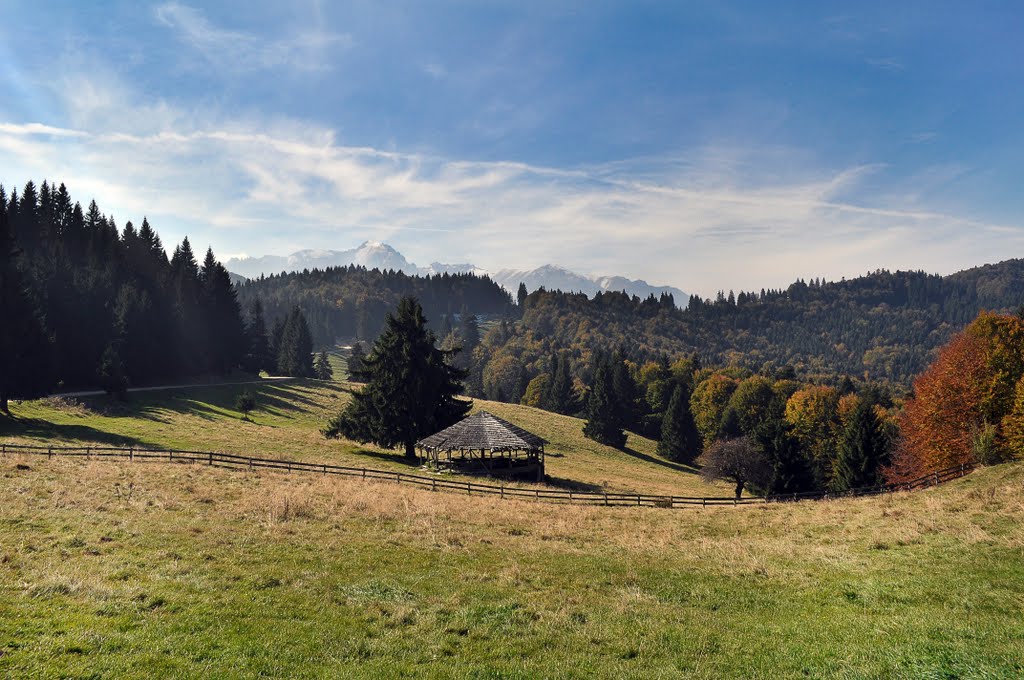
(562, 399)
(410, 390)
(25, 368)
(604, 411)
(680, 441)
(469, 332)
(295, 350)
(626, 392)
(276, 336)
(863, 449)
(112, 375)
(355, 363)
(322, 367)
(222, 316)
(521, 296)
(259, 356)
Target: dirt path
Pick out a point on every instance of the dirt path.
(94, 393)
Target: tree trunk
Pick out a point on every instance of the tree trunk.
(410, 451)
(739, 490)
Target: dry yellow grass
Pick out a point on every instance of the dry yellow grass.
(152, 568)
(287, 425)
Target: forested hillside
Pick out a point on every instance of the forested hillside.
(885, 326)
(86, 302)
(347, 302)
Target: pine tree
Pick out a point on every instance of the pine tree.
(521, 295)
(469, 332)
(222, 316)
(112, 375)
(259, 356)
(295, 350)
(25, 367)
(562, 399)
(604, 411)
(863, 449)
(626, 392)
(680, 441)
(322, 367)
(355, 363)
(276, 337)
(411, 386)
(790, 467)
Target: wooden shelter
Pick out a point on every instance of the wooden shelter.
(483, 443)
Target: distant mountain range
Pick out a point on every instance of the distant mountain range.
(377, 255)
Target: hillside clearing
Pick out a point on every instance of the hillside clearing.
(287, 423)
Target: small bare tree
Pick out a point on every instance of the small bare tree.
(738, 460)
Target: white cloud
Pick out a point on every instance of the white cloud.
(721, 217)
(240, 51)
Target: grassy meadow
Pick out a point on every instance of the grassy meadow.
(287, 423)
(111, 569)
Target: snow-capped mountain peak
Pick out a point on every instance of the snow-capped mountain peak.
(378, 255)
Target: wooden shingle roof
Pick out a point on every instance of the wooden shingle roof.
(485, 431)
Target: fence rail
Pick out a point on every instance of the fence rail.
(436, 483)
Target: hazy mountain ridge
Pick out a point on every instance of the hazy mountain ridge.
(552, 277)
(370, 254)
(377, 255)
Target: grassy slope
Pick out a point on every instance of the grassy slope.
(291, 414)
(150, 569)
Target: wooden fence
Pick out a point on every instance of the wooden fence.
(438, 483)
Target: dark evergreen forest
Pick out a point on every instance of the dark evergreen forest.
(353, 302)
(113, 310)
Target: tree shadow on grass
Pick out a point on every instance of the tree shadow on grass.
(66, 433)
(678, 467)
(203, 402)
(398, 457)
(572, 484)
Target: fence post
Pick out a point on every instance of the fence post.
(211, 457)
(606, 498)
(936, 479)
(250, 463)
(325, 468)
(570, 497)
(364, 473)
(433, 485)
(638, 499)
(398, 478)
(503, 492)
(469, 488)
(703, 502)
(49, 452)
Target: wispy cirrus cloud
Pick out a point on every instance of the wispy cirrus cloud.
(716, 217)
(234, 50)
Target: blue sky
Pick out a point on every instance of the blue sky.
(701, 144)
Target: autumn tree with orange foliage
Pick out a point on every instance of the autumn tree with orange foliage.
(968, 390)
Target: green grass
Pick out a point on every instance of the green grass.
(287, 423)
(150, 569)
